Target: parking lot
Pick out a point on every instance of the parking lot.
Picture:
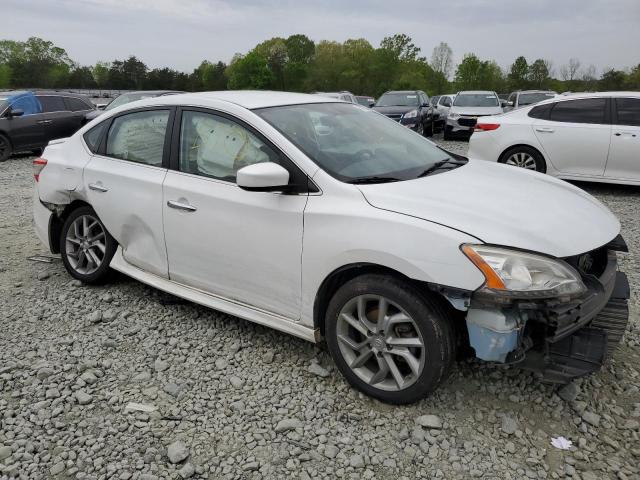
(104, 382)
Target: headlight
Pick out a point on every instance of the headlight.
(514, 273)
(453, 116)
(411, 114)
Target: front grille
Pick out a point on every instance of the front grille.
(394, 116)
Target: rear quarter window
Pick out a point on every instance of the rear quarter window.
(76, 104)
(541, 111)
(93, 137)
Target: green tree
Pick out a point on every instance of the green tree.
(100, 73)
(518, 74)
(612, 80)
(249, 71)
(402, 46)
(538, 74)
(469, 73)
(5, 76)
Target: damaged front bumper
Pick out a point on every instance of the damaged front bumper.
(561, 338)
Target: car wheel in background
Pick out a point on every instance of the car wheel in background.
(86, 246)
(447, 133)
(388, 340)
(524, 157)
(420, 129)
(5, 148)
(428, 131)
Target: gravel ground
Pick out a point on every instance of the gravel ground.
(223, 398)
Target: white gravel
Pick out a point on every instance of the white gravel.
(109, 382)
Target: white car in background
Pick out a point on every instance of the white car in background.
(465, 110)
(325, 219)
(588, 136)
(442, 109)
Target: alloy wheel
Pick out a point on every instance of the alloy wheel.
(522, 160)
(85, 244)
(380, 342)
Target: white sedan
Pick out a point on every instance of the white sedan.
(591, 136)
(324, 219)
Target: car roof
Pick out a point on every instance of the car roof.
(476, 92)
(249, 99)
(575, 96)
(57, 92)
(402, 91)
(152, 92)
(536, 91)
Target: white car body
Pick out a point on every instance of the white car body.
(265, 256)
(606, 151)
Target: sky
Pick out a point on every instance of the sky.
(181, 33)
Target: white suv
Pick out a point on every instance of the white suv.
(465, 110)
(325, 219)
(590, 136)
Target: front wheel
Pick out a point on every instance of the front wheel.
(387, 339)
(428, 131)
(524, 157)
(86, 246)
(5, 148)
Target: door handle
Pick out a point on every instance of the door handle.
(544, 129)
(45, 122)
(98, 187)
(181, 206)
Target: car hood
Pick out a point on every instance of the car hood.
(503, 205)
(476, 110)
(394, 110)
(93, 114)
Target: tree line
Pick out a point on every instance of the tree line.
(297, 63)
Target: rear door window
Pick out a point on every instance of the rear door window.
(52, 103)
(75, 104)
(585, 110)
(628, 110)
(138, 137)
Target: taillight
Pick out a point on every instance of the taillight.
(38, 165)
(486, 127)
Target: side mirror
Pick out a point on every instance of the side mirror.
(263, 177)
(426, 105)
(101, 106)
(510, 103)
(18, 112)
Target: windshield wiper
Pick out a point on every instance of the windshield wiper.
(374, 179)
(441, 164)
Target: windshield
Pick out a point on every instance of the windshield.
(366, 101)
(127, 98)
(530, 98)
(398, 100)
(355, 144)
(475, 100)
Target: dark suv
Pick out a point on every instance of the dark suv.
(29, 120)
(409, 107)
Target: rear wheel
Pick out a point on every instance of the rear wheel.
(387, 339)
(524, 157)
(5, 148)
(428, 131)
(86, 246)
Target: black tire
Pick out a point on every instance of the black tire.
(5, 148)
(541, 165)
(103, 272)
(429, 318)
(420, 129)
(447, 133)
(428, 131)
